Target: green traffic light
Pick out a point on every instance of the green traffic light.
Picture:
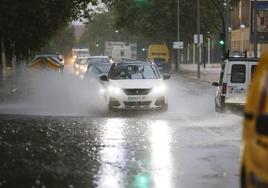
(140, 2)
(221, 42)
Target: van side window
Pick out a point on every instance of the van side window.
(238, 74)
(253, 67)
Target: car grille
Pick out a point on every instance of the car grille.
(137, 103)
(137, 91)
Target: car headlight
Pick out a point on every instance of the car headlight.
(82, 67)
(159, 89)
(77, 66)
(85, 69)
(114, 90)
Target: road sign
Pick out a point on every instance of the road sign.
(177, 45)
(200, 39)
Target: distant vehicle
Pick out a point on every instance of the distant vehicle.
(254, 164)
(121, 50)
(159, 54)
(81, 63)
(48, 61)
(136, 85)
(235, 77)
(95, 70)
(80, 53)
(80, 66)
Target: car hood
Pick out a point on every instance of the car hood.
(133, 84)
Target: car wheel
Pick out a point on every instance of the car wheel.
(218, 109)
(110, 108)
(164, 107)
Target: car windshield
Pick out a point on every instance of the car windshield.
(126, 72)
(81, 61)
(97, 60)
(99, 69)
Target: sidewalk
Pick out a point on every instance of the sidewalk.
(209, 74)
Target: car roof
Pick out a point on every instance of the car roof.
(101, 64)
(242, 59)
(133, 62)
(91, 57)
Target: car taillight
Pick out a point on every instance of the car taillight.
(224, 88)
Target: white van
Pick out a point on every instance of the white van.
(236, 74)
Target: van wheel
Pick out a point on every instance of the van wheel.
(218, 109)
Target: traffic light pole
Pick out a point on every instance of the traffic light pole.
(198, 37)
(226, 28)
(177, 65)
(255, 30)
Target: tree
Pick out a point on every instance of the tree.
(100, 29)
(62, 42)
(28, 25)
(157, 19)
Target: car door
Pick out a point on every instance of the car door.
(237, 80)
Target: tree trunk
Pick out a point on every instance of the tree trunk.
(3, 50)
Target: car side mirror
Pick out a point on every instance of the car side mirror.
(261, 125)
(166, 76)
(104, 78)
(215, 84)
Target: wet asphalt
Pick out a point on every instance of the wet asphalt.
(188, 146)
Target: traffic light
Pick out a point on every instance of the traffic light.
(140, 2)
(97, 44)
(221, 40)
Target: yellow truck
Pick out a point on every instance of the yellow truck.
(159, 54)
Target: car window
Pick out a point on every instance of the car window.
(82, 61)
(238, 74)
(134, 72)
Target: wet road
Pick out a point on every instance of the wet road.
(188, 146)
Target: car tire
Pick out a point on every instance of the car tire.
(110, 108)
(218, 109)
(164, 107)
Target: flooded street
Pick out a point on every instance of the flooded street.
(188, 146)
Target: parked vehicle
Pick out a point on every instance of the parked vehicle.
(235, 77)
(135, 85)
(254, 173)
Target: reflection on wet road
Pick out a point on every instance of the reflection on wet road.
(187, 147)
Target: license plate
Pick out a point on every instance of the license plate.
(238, 91)
(138, 98)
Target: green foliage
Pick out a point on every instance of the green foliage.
(62, 42)
(99, 30)
(28, 25)
(158, 19)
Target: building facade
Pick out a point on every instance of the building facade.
(240, 31)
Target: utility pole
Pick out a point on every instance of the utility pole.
(177, 67)
(255, 30)
(198, 36)
(227, 24)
